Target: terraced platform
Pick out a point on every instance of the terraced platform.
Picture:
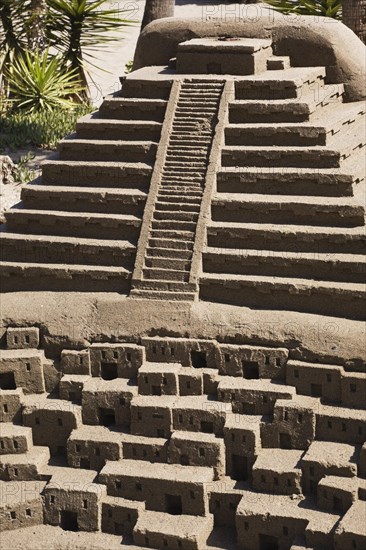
(245, 190)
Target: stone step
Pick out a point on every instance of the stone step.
(17, 276)
(195, 95)
(179, 157)
(174, 167)
(175, 234)
(181, 245)
(186, 206)
(189, 128)
(74, 224)
(85, 199)
(168, 264)
(197, 103)
(161, 274)
(310, 157)
(180, 187)
(97, 174)
(272, 209)
(324, 298)
(203, 87)
(318, 266)
(171, 225)
(68, 250)
(294, 135)
(163, 199)
(292, 238)
(93, 127)
(191, 192)
(193, 109)
(133, 109)
(182, 160)
(164, 286)
(104, 150)
(193, 129)
(181, 180)
(190, 149)
(290, 110)
(190, 134)
(295, 82)
(277, 63)
(196, 118)
(152, 294)
(192, 157)
(189, 140)
(175, 215)
(291, 181)
(155, 251)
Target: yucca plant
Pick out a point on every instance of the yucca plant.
(38, 82)
(13, 39)
(77, 27)
(73, 27)
(324, 8)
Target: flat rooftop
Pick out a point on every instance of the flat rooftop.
(141, 469)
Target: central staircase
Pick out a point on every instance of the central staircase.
(168, 256)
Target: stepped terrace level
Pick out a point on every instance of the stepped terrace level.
(236, 181)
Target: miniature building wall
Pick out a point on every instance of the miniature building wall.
(164, 437)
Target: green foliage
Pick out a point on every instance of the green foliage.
(77, 27)
(22, 174)
(12, 31)
(129, 66)
(324, 8)
(73, 27)
(40, 129)
(37, 82)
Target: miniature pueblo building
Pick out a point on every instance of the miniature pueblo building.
(183, 358)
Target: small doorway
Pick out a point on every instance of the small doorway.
(239, 467)
(107, 417)
(267, 542)
(173, 505)
(198, 359)
(108, 371)
(84, 463)
(69, 521)
(250, 370)
(184, 460)
(7, 381)
(316, 390)
(337, 504)
(285, 441)
(207, 427)
(248, 408)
